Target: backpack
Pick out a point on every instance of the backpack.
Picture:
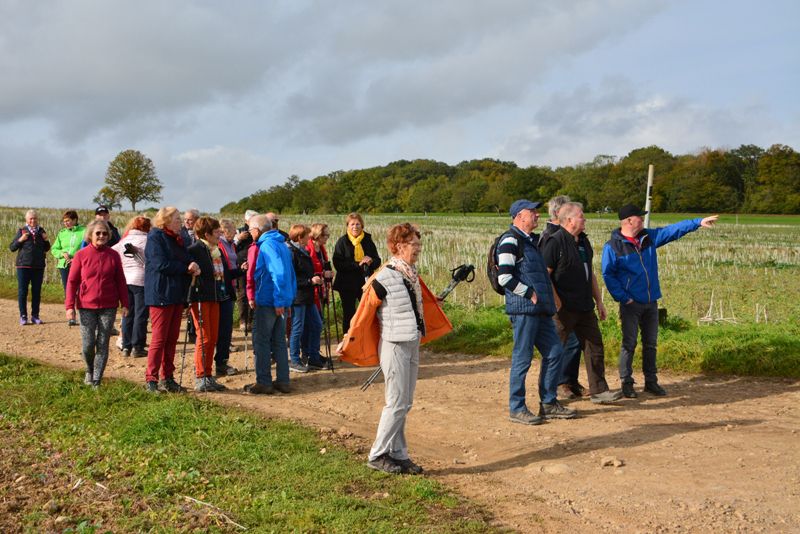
(492, 270)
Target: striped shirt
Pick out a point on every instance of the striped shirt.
(507, 254)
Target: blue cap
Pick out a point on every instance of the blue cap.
(523, 204)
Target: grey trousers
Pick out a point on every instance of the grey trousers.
(96, 328)
(400, 364)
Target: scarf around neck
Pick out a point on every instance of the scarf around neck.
(358, 253)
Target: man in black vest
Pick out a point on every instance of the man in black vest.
(568, 256)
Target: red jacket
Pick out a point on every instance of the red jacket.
(96, 280)
(361, 343)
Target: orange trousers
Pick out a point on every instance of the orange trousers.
(207, 334)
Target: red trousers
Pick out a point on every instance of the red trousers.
(166, 324)
(207, 334)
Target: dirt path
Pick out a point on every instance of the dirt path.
(716, 455)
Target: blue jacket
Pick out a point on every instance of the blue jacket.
(633, 274)
(276, 285)
(531, 271)
(165, 278)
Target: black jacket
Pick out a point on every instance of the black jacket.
(303, 271)
(32, 251)
(349, 275)
(574, 288)
(207, 289)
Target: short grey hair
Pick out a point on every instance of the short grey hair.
(554, 204)
(87, 235)
(193, 211)
(31, 213)
(261, 222)
(567, 210)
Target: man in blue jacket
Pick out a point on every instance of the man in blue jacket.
(630, 271)
(530, 307)
(274, 292)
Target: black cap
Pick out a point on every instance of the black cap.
(629, 210)
(101, 209)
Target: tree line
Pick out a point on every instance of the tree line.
(748, 179)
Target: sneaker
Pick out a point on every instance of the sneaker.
(386, 464)
(23, 320)
(283, 387)
(606, 397)
(578, 390)
(96, 385)
(525, 417)
(259, 389)
(170, 386)
(627, 391)
(565, 392)
(318, 366)
(556, 411)
(36, 320)
(233, 348)
(216, 385)
(139, 353)
(203, 385)
(226, 370)
(87, 379)
(298, 367)
(72, 322)
(152, 387)
(408, 467)
(654, 389)
(126, 353)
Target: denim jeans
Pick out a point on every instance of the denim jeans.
(134, 325)
(533, 331)
(225, 333)
(64, 272)
(632, 317)
(306, 328)
(34, 277)
(269, 340)
(570, 360)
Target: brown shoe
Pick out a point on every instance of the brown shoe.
(565, 392)
(258, 389)
(283, 387)
(579, 390)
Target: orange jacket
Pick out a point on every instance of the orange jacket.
(360, 345)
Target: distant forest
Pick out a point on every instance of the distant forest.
(748, 179)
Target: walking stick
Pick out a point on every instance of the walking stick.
(186, 335)
(462, 273)
(326, 328)
(246, 325)
(202, 344)
(335, 318)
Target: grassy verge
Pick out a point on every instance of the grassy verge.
(119, 460)
(752, 349)
(52, 293)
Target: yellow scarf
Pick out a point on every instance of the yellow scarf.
(356, 241)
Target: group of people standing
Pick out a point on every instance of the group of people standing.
(551, 293)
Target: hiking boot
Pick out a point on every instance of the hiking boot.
(226, 370)
(139, 353)
(126, 353)
(36, 320)
(606, 397)
(319, 365)
(203, 385)
(259, 389)
(216, 385)
(565, 392)
(170, 386)
(23, 320)
(408, 467)
(72, 322)
(87, 379)
(283, 387)
(578, 390)
(298, 367)
(152, 387)
(386, 464)
(654, 389)
(96, 385)
(556, 411)
(627, 391)
(525, 417)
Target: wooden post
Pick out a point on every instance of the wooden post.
(649, 195)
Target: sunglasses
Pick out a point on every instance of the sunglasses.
(99, 234)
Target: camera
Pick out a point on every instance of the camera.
(130, 250)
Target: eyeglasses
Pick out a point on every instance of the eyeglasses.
(99, 234)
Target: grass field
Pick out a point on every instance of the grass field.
(122, 460)
(738, 283)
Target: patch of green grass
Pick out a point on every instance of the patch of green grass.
(52, 292)
(746, 349)
(267, 475)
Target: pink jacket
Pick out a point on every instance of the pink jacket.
(96, 280)
(252, 256)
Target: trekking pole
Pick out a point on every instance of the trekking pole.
(246, 325)
(186, 335)
(462, 273)
(335, 318)
(202, 344)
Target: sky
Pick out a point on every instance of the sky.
(228, 98)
